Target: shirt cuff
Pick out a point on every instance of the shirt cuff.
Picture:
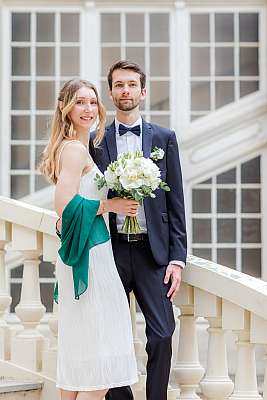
(176, 262)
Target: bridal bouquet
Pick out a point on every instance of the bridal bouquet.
(133, 177)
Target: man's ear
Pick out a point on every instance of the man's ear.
(143, 93)
(110, 94)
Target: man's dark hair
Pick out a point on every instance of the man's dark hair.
(126, 64)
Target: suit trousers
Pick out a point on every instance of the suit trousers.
(141, 274)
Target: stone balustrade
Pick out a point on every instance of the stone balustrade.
(229, 301)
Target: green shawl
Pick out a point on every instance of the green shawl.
(81, 230)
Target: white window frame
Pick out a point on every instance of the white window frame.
(195, 184)
(261, 10)
(146, 10)
(7, 79)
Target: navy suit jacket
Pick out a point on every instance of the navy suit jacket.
(165, 216)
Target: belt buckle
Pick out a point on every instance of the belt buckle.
(131, 240)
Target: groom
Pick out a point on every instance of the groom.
(149, 263)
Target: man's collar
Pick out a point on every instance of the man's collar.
(137, 122)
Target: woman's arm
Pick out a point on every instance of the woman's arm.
(73, 161)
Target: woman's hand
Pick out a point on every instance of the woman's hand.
(121, 206)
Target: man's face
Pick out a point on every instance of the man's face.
(126, 91)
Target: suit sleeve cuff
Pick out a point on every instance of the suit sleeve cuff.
(176, 262)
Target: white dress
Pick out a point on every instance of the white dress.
(95, 343)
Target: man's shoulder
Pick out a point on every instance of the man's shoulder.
(158, 129)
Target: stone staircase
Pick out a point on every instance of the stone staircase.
(12, 389)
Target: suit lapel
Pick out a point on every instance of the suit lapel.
(111, 142)
(146, 138)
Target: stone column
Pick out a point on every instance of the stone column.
(216, 384)
(246, 377)
(5, 299)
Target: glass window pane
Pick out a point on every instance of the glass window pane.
(227, 177)
(227, 257)
(20, 95)
(201, 230)
(15, 291)
(224, 61)
(70, 27)
(47, 291)
(45, 30)
(251, 262)
(110, 28)
(20, 186)
(225, 93)
(20, 127)
(109, 56)
(159, 28)
(248, 87)
(206, 182)
(162, 120)
(45, 95)
(200, 28)
(251, 230)
(45, 61)
(40, 182)
(251, 200)
(137, 54)
(132, 33)
(47, 269)
(42, 126)
(159, 61)
(21, 64)
(202, 253)
(226, 230)
(21, 27)
(38, 152)
(248, 27)
(201, 200)
(200, 61)
(105, 96)
(20, 157)
(224, 27)
(249, 61)
(250, 171)
(70, 61)
(16, 272)
(226, 199)
(159, 96)
(200, 96)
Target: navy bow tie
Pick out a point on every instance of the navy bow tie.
(135, 129)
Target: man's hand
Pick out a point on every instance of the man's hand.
(174, 272)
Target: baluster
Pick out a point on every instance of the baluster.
(216, 384)
(246, 377)
(187, 369)
(5, 299)
(265, 375)
(50, 248)
(27, 346)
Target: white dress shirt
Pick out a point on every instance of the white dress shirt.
(130, 142)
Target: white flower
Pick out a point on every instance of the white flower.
(110, 177)
(157, 154)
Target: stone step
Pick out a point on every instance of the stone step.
(12, 389)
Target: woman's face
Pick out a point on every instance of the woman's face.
(85, 109)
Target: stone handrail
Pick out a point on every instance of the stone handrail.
(227, 299)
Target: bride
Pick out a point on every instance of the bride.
(95, 344)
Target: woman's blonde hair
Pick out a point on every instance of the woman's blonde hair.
(62, 126)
